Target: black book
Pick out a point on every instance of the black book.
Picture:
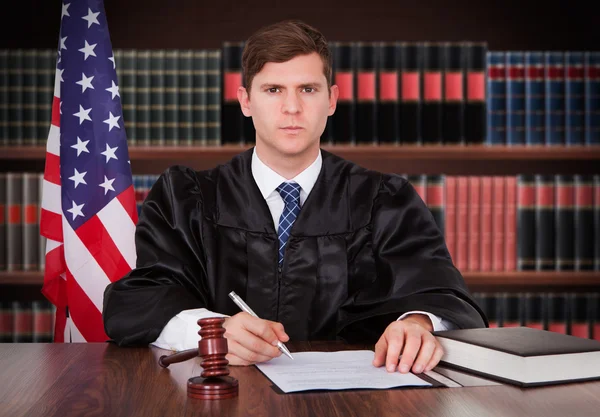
(431, 108)
(521, 355)
(233, 128)
(410, 92)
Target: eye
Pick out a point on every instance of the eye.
(312, 90)
(273, 90)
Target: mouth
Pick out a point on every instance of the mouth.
(292, 128)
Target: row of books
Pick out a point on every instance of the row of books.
(576, 314)
(490, 223)
(543, 98)
(522, 222)
(390, 93)
(27, 321)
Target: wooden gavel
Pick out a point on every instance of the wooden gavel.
(214, 382)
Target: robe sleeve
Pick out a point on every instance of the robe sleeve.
(170, 268)
(414, 270)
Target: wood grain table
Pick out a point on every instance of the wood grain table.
(100, 379)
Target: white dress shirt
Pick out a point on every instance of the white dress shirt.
(181, 332)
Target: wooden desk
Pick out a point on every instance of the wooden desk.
(105, 380)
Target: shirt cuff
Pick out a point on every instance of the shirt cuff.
(181, 332)
(437, 322)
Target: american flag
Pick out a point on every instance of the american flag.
(88, 205)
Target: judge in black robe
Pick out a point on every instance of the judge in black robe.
(364, 250)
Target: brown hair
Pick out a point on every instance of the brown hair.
(281, 42)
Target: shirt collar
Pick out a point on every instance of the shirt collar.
(268, 180)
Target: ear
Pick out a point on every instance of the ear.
(244, 100)
(335, 92)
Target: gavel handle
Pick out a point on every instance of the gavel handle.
(184, 355)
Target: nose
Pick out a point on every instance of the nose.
(291, 104)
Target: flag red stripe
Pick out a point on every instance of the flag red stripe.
(52, 170)
(59, 325)
(51, 225)
(84, 313)
(54, 288)
(56, 111)
(98, 242)
(127, 199)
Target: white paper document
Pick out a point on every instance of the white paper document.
(351, 369)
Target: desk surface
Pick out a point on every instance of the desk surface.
(105, 380)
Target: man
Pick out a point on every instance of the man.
(319, 247)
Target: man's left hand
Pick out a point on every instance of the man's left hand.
(410, 337)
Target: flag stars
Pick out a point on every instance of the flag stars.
(85, 82)
(62, 44)
(80, 146)
(65, 11)
(60, 73)
(109, 153)
(107, 185)
(112, 121)
(77, 178)
(76, 210)
(88, 50)
(112, 58)
(91, 18)
(114, 90)
(83, 114)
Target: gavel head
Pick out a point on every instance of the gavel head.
(212, 347)
(214, 382)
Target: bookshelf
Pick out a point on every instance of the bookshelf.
(511, 281)
(509, 26)
(411, 159)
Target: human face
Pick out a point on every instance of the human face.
(289, 104)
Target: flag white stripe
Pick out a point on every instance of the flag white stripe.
(76, 336)
(120, 227)
(86, 271)
(57, 84)
(53, 144)
(51, 200)
(51, 245)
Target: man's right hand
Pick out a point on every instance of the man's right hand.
(252, 340)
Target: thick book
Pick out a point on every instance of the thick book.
(521, 355)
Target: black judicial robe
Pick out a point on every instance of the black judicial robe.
(363, 250)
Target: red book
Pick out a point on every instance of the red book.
(450, 220)
(486, 224)
(474, 216)
(462, 223)
(510, 225)
(43, 329)
(498, 214)
(6, 322)
(23, 322)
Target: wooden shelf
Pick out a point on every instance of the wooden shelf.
(498, 281)
(532, 280)
(409, 159)
(21, 278)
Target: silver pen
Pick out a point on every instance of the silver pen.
(241, 304)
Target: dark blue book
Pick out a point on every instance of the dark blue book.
(555, 98)
(496, 98)
(534, 98)
(515, 98)
(574, 99)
